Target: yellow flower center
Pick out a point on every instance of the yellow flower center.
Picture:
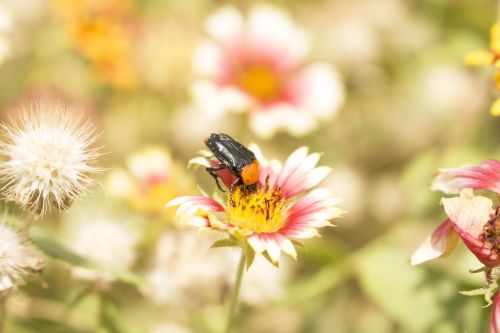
(260, 82)
(261, 210)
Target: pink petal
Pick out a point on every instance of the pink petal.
(300, 232)
(317, 89)
(439, 244)
(478, 248)
(299, 173)
(312, 211)
(495, 315)
(286, 245)
(485, 176)
(188, 202)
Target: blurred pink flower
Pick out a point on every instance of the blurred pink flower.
(484, 176)
(269, 217)
(473, 218)
(258, 66)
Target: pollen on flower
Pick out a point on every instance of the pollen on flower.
(48, 158)
(261, 210)
(260, 82)
(491, 232)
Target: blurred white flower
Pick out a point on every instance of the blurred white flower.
(48, 158)
(257, 66)
(186, 272)
(150, 165)
(145, 168)
(263, 282)
(17, 259)
(147, 181)
(109, 245)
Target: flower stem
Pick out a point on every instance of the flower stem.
(236, 292)
(3, 313)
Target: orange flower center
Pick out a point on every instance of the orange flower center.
(261, 210)
(260, 82)
(491, 232)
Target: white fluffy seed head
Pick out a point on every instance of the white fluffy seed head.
(17, 259)
(49, 158)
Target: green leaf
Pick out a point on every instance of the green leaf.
(131, 278)
(249, 254)
(474, 292)
(268, 258)
(75, 299)
(110, 316)
(226, 242)
(56, 250)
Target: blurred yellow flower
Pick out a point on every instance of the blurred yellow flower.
(491, 57)
(495, 108)
(101, 32)
(148, 180)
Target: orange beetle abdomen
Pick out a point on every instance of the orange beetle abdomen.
(250, 173)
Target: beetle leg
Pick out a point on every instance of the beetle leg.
(236, 182)
(211, 171)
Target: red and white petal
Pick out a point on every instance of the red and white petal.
(208, 60)
(272, 32)
(195, 202)
(300, 232)
(318, 90)
(266, 120)
(215, 100)
(258, 154)
(303, 180)
(495, 314)
(482, 251)
(258, 243)
(439, 244)
(196, 221)
(225, 25)
(286, 245)
(268, 174)
(315, 209)
(300, 174)
(469, 212)
(485, 176)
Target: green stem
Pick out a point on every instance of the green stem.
(236, 293)
(3, 313)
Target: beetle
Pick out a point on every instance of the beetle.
(236, 158)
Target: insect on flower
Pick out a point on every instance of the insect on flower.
(236, 158)
(281, 209)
